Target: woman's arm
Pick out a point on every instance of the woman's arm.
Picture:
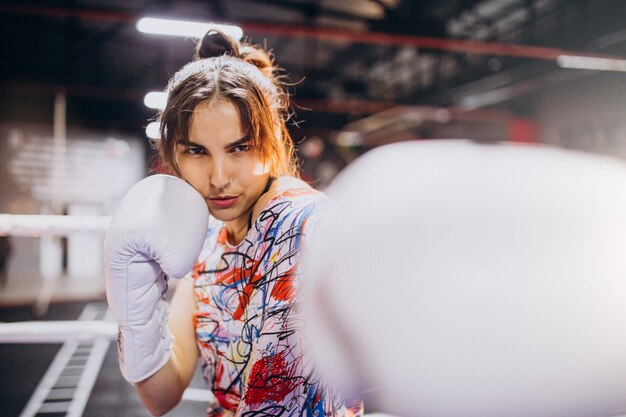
(163, 390)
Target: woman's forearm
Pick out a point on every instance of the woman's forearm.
(163, 391)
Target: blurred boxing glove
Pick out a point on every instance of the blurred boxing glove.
(488, 281)
(157, 232)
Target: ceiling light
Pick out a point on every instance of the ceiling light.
(152, 130)
(349, 139)
(364, 9)
(184, 28)
(591, 63)
(155, 100)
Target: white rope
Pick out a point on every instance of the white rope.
(199, 394)
(37, 225)
(57, 331)
(40, 224)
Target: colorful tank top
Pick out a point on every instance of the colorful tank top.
(253, 354)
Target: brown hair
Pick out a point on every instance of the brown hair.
(244, 75)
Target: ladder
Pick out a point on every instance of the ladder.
(65, 387)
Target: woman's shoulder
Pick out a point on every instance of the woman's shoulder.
(291, 194)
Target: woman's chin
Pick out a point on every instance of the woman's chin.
(224, 215)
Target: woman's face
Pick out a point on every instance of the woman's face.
(220, 163)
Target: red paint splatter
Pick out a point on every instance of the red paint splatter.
(297, 192)
(236, 276)
(222, 238)
(269, 380)
(228, 400)
(284, 289)
(198, 268)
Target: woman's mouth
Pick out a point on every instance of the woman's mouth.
(223, 202)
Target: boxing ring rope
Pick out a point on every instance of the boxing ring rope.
(37, 225)
(34, 225)
(75, 331)
(57, 331)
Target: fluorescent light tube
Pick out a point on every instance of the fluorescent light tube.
(155, 100)
(152, 130)
(591, 63)
(184, 28)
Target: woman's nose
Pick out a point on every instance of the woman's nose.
(219, 175)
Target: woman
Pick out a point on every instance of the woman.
(223, 131)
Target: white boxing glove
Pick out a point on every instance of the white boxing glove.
(157, 232)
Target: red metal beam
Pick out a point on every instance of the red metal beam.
(333, 35)
(452, 45)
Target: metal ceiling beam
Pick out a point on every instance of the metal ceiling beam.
(451, 45)
(333, 35)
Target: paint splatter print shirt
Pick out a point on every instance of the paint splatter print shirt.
(246, 319)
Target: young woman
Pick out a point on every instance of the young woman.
(223, 132)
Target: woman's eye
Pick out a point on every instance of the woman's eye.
(194, 150)
(240, 148)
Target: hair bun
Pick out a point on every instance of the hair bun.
(215, 43)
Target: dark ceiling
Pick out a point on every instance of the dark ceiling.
(348, 58)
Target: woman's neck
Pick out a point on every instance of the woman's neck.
(278, 186)
(236, 231)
